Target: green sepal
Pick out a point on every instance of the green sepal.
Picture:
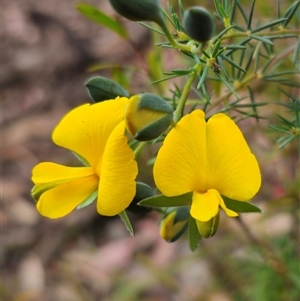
(193, 234)
(81, 159)
(155, 103)
(198, 23)
(124, 217)
(143, 191)
(238, 206)
(147, 116)
(38, 190)
(89, 200)
(208, 229)
(155, 129)
(101, 88)
(101, 18)
(160, 201)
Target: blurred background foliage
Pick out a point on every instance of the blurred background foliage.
(49, 51)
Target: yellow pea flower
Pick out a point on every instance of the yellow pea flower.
(97, 134)
(210, 159)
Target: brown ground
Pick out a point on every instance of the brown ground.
(47, 47)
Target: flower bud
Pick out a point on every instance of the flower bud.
(138, 10)
(143, 191)
(101, 88)
(147, 116)
(198, 23)
(174, 223)
(208, 229)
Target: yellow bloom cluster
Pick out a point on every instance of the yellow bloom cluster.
(210, 158)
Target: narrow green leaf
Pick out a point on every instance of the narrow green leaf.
(202, 78)
(290, 13)
(234, 47)
(100, 17)
(285, 121)
(222, 33)
(89, 200)
(223, 12)
(244, 42)
(286, 142)
(216, 48)
(278, 9)
(193, 234)
(261, 39)
(205, 53)
(230, 88)
(242, 12)
(160, 201)
(252, 102)
(239, 206)
(267, 25)
(296, 53)
(279, 74)
(233, 10)
(232, 63)
(251, 15)
(181, 8)
(164, 79)
(168, 17)
(180, 72)
(278, 129)
(124, 217)
(151, 28)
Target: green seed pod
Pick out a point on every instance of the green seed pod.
(101, 88)
(208, 229)
(143, 191)
(198, 23)
(147, 116)
(174, 223)
(139, 10)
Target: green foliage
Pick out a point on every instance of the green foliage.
(101, 88)
(101, 18)
(161, 201)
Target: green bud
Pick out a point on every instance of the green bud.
(174, 223)
(143, 191)
(101, 88)
(139, 10)
(198, 23)
(147, 116)
(208, 229)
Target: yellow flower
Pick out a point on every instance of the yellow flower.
(210, 159)
(97, 134)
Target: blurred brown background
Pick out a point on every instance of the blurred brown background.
(47, 47)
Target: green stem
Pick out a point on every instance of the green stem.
(269, 33)
(185, 92)
(139, 148)
(171, 39)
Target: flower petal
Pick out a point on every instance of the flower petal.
(47, 172)
(62, 199)
(180, 166)
(118, 172)
(86, 129)
(205, 205)
(229, 212)
(232, 168)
